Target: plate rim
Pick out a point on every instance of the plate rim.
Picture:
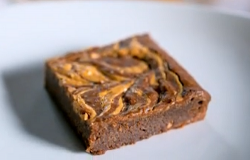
(208, 9)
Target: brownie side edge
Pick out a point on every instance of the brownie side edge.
(114, 133)
(59, 96)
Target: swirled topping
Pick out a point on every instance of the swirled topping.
(120, 79)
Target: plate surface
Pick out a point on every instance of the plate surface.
(213, 46)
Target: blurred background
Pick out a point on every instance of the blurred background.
(239, 5)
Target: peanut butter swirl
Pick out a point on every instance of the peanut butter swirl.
(123, 78)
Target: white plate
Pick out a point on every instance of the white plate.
(213, 46)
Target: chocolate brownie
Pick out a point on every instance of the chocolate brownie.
(122, 93)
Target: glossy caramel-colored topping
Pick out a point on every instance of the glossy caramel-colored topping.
(119, 107)
(107, 96)
(124, 78)
(80, 105)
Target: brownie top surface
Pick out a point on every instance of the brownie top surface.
(127, 77)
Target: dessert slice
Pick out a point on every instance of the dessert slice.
(122, 93)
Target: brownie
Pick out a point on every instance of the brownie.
(121, 93)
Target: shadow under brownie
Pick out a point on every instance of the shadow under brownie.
(124, 92)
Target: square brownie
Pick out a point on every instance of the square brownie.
(122, 93)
